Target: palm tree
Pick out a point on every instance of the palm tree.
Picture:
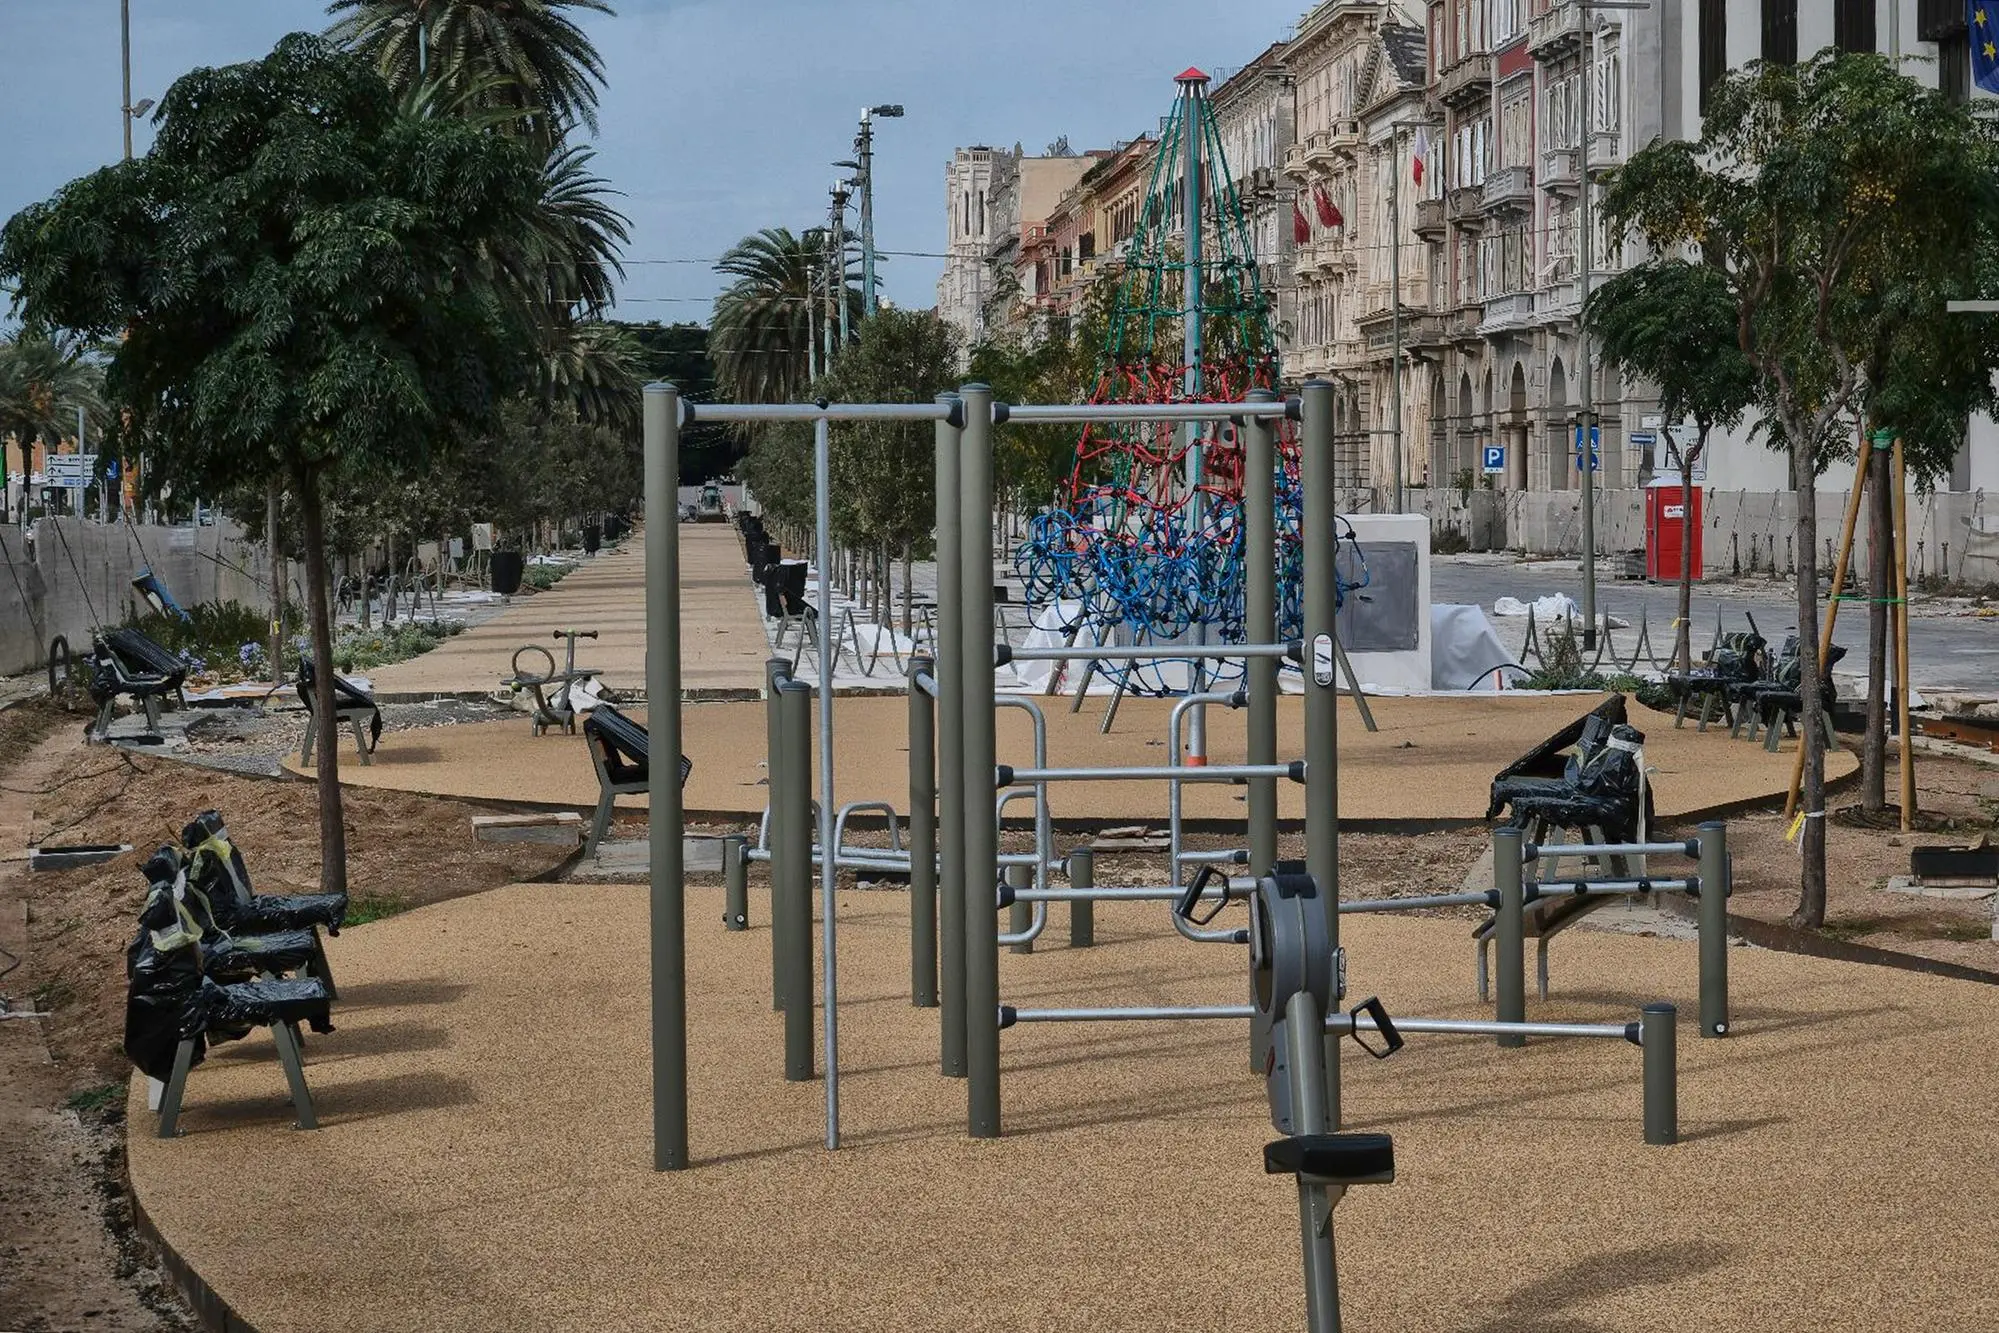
(42, 382)
(577, 234)
(595, 368)
(762, 336)
(526, 57)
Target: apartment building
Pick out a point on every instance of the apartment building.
(1255, 110)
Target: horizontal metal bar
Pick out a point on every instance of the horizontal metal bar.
(1582, 888)
(1097, 895)
(1476, 898)
(1142, 411)
(813, 412)
(1233, 856)
(853, 860)
(1133, 1014)
(1479, 1027)
(1147, 652)
(1691, 847)
(1156, 773)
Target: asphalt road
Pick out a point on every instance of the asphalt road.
(1954, 652)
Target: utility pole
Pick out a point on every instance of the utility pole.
(841, 193)
(1395, 130)
(865, 143)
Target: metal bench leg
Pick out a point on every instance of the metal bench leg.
(602, 823)
(1707, 709)
(360, 740)
(152, 707)
(288, 1056)
(101, 729)
(1680, 713)
(311, 735)
(1774, 732)
(176, 1089)
(1484, 969)
(316, 967)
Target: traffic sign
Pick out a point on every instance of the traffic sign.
(1495, 458)
(1595, 449)
(69, 470)
(1644, 437)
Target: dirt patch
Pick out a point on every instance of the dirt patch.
(23, 727)
(1859, 862)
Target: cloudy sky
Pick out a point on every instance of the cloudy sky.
(720, 116)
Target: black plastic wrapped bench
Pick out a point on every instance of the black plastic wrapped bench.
(620, 749)
(352, 705)
(126, 662)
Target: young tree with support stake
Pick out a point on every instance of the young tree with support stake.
(1803, 178)
(1673, 323)
(304, 280)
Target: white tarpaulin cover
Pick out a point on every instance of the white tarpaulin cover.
(1464, 649)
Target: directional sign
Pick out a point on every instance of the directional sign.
(1495, 458)
(1595, 449)
(1644, 437)
(69, 470)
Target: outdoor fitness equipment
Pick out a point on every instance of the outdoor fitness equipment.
(554, 707)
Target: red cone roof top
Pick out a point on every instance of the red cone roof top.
(1190, 75)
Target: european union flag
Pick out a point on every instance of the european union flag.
(1982, 17)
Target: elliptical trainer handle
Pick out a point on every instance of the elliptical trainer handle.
(1391, 1040)
(1190, 900)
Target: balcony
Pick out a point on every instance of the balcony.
(1558, 171)
(1466, 81)
(1294, 161)
(1346, 138)
(1510, 189)
(1430, 219)
(1605, 152)
(1319, 149)
(1462, 205)
(1551, 35)
(1462, 325)
(1505, 313)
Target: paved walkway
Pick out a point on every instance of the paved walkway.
(485, 1110)
(722, 646)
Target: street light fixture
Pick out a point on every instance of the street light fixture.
(1586, 452)
(865, 143)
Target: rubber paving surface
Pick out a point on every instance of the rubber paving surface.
(1432, 760)
(485, 1158)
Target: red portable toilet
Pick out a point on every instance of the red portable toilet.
(1664, 508)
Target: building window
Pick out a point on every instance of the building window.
(1563, 107)
(1954, 66)
(1780, 31)
(1606, 92)
(1714, 46)
(1853, 25)
(1516, 132)
(1507, 20)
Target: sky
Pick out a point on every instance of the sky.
(718, 118)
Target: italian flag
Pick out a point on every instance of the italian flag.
(1421, 155)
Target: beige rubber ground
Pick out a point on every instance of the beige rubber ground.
(485, 1157)
(1433, 758)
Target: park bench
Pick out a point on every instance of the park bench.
(126, 662)
(1775, 704)
(1737, 658)
(216, 868)
(174, 1010)
(620, 749)
(352, 706)
(1596, 789)
(241, 955)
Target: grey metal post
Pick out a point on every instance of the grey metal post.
(922, 838)
(1082, 912)
(663, 811)
(976, 772)
(1322, 696)
(735, 883)
(950, 756)
(776, 671)
(1259, 502)
(1714, 876)
(1193, 94)
(829, 873)
(1662, 1080)
(1584, 204)
(794, 771)
(1021, 915)
(1509, 933)
(1304, 1050)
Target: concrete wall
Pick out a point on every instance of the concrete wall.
(1950, 533)
(63, 576)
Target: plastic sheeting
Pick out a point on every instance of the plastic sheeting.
(1465, 651)
(216, 868)
(1600, 785)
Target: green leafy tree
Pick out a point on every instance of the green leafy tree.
(527, 59)
(763, 330)
(301, 276)
(1673, 323)
(1804, 177)
(885, 472)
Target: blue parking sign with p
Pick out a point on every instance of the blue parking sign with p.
(1495, 458)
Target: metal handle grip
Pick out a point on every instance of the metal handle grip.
(1187, 909)
(1384, 1026)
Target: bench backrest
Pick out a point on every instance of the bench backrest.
(140, 656)
(346, 694)
(623, 746)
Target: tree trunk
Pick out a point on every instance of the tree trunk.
(1683, 626)
(1880, 586)
(332, 824)
(908, 589)
(1811, 714)
(277, 583)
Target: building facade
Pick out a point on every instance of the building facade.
(965, 287)
(1256, 121)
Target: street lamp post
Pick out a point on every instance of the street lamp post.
(145, 103)
(842, 191)
(866, 144)
(1586, 443)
